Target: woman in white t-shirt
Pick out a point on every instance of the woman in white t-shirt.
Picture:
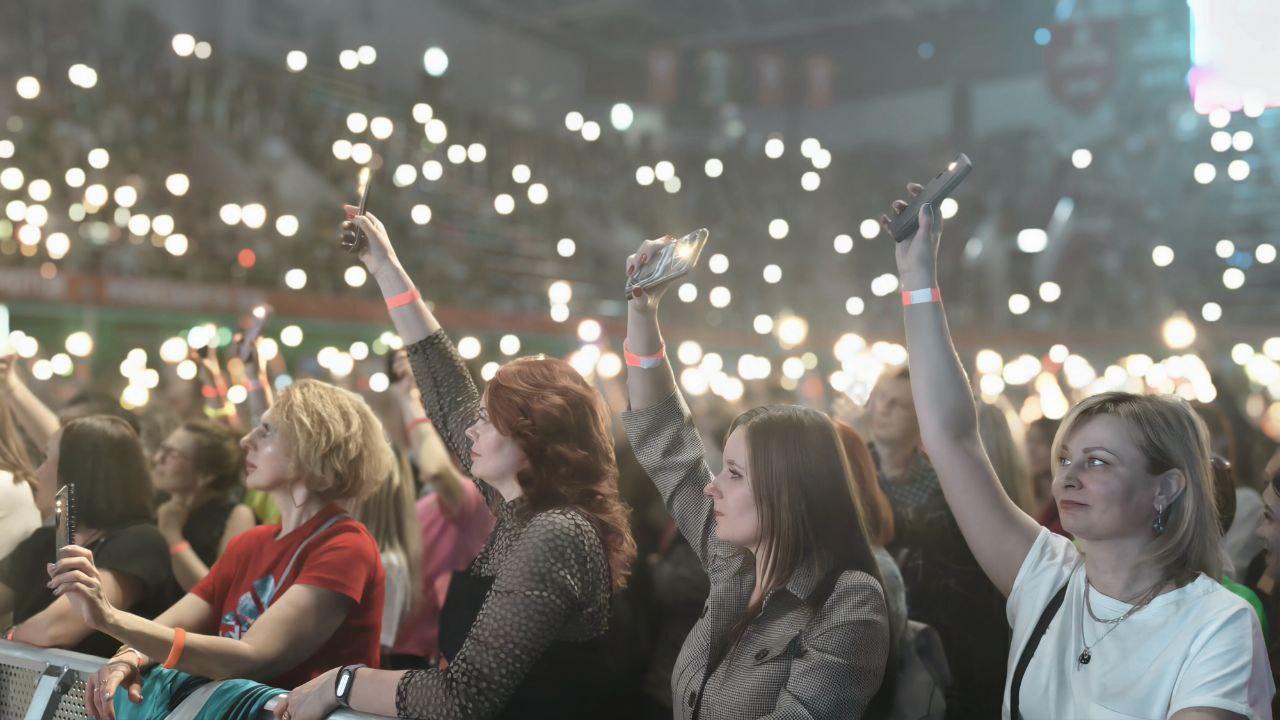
(1141, 630)
(19, 516)
(390, 515)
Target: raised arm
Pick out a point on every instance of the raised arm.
(33, 416)
(998, 532)
(449, 394)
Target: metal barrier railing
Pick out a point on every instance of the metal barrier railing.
(48, 684)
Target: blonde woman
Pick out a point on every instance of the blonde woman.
(1003, 437)
(1133, 626)
(284, 602)
(389, 515)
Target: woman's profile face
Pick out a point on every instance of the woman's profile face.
(495, 458)
(1101, 482)
(268, 463)
(733, 504)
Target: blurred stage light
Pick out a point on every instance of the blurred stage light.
(843, 244)
(435, 61)
(621, 116)
(296, 61)
(714, 168)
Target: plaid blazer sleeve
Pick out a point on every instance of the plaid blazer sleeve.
(668, 447)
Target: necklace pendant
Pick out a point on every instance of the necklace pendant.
(1085, 657)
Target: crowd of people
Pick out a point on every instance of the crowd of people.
(490, 552)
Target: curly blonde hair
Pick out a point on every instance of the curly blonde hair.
(337, 442)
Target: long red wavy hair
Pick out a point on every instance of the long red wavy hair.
(561, 425)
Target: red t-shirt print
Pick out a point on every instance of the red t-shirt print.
(342, 558)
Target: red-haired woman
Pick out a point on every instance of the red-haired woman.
(524, 627)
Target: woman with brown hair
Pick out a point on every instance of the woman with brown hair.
(796, 624)
(524, 627)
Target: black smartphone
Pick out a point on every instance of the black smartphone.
(904, 226)
(261, 313)
(64, 512)
(355, 240)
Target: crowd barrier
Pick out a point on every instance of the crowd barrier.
(46, 684)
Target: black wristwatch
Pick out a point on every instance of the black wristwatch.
(345, 682)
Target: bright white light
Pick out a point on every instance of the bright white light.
(1081, 158)
(99, 158)
(355, 276)
(521, 174)
(1019, 303)
(1220, 141)
(162, 225)
(404, 176)
(687, 292)
(1205, 173)
(822, 159)
(1224, 248)
(139, 224)
(349, 59)
(75, 177)
(177, 184)
(559, 313)
(126, 196)
(1238, 169)
(573, 121)
(504, 204)
(436, 131)
(719, 296)
(810, 181)
(291, 335)
(509, 345)
(1178, 332)
(772, 274)
(420, 214)
(457, 154)
(645, 175)
(869, 229)
(773, 148)
(884, 284)
(792, 330)
(469, 348)
(843, 244)
(1211, 312)
(1241, 353)
(476, 152)
(810, 146)
(1032, 240)
(11, 178)
(368, 54)
(1220, 117)
(79, 343)
(1265, 253)
(672, 185)
(6, 149)
(621, 116)
(432, 170)
(379, 382)
(296, 278)
(664, 170)
(435, 61)
(694, 381)
(39, 190)
(287, 225)
(296, 61)
(267, 349)
(422, 113)
(589, 331)
(778, 228)
(1162, 255)
(854, 306)
(489, 370)
(253, 215)
(949, 207)
(82, 75)
(176, 244)
(537, 193)
(229, 213)
(689, 352)
(566, 247)
(1271, 348)
(762, 324)
(591, 131)
(718, 263)
(609, 366)
(713, 167)
(203, 50)
(793, 367)
(1050, 291)
(560, 292)
(57, 245)
(1233, 278)
(1242, 140)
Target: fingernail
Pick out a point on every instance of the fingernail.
(644, 258)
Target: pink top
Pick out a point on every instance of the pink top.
(450, 541)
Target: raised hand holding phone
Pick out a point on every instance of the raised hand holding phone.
(917, 257)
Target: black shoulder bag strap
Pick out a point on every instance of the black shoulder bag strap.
(1029, 649)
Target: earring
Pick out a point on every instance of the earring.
(1157, 525)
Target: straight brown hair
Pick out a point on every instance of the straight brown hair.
(102, 456)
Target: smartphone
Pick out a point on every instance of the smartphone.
(261, 313)
(904, 226)
(64, 512)
(673, 261)
(354, 242)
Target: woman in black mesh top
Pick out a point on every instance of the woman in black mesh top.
(523, 629)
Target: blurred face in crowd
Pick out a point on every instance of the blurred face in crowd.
(495, 458)
(1269, 528)
(183, 398)
(1101, 482)
(737, 521)
(1039, 449)
(172, 469)
(268, 461)
(47, 476)
(893, 413)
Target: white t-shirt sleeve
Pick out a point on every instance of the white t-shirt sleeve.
(1045, 570)
(1228, 667)
(396, 600)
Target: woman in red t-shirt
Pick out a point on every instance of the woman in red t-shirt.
(284, 602)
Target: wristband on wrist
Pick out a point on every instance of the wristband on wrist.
(647, 362)
(403, 298)
(923, 295)
(251, 385)
(210, 392)
(119, 656)
(176, 548)
(175, 653)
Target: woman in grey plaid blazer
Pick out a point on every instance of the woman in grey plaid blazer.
(796, 624)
